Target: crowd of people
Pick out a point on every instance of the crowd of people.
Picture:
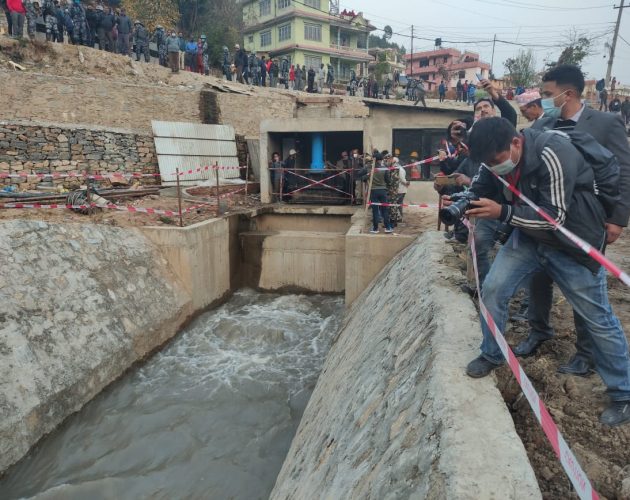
(109, 29)
(378, 176)
(252, 69)
(574, 163)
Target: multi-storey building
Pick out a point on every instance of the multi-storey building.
(307, 34)
(431, 65)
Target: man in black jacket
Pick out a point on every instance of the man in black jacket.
(551, 172)
(562, 102)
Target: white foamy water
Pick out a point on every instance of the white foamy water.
(211, 416)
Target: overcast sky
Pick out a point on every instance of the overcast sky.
(471, 25)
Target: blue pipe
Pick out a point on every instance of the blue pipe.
(317, 149)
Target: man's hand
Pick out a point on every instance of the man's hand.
(446, 200)
(485, 209)
(613, 231)
(442, 155)
(462, 180)
(488, 87)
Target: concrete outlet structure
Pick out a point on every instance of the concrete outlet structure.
(389, 125)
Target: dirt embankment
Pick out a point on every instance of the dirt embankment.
(574, 402)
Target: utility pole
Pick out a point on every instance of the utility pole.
(614, 42)
(411, 55)
(494, 42)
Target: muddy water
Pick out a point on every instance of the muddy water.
(211, 416)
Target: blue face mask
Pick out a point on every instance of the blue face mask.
(549, 106)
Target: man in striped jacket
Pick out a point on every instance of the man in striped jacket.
(550, 171)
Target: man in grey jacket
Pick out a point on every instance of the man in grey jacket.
(172, 49)
(125, 28)
(562, 92)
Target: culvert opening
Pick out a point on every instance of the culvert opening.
(210, 416)
(575, 403)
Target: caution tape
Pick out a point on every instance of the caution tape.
(579, 242)
(110, 206)
(569, 462)
(112, 175)
(404, 205)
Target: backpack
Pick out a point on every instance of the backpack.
(604, 164)
(600, 85)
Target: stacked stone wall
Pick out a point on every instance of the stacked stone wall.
(51, 148)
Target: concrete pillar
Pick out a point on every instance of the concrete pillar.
(317, 151)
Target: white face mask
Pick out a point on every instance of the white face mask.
(505, 167)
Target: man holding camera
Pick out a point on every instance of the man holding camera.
(550, 171)
(465, 170)
(564, 110)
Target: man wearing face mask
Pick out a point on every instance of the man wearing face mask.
(550, 171)
(562, 91)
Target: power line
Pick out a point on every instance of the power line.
(518, 5)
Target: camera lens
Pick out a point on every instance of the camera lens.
(450, 215)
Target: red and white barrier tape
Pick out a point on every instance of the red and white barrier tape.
(111, 206)
(112, 175)
(579, 242)
(569, 462)
(410, 205)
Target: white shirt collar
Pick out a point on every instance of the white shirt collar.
(577, 115)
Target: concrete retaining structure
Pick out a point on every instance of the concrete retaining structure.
(367, 254)
(200, 256)
(80, 304)
(393, 415)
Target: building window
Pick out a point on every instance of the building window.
(284, 32)
(283, 4)
(316, 4)
(445, 60)
(313, 32)
(265, 38)
(265, 7)
(312, 62)
(250, 38)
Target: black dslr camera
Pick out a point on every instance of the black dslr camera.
(461, 132)
(461, 202)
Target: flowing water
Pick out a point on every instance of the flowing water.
(211, 416)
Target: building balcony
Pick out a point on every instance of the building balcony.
(346, 50)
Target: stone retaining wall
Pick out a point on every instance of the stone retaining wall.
(80, 304)
(54, 148)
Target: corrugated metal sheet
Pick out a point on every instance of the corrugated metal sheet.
(183, 130)
(189, 146)
(171, 163)
(194, 147)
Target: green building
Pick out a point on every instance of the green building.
(308, 34)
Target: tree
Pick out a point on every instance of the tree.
(579, 48)
(445, 74)
(521, 70)
(382, 67)
(153, 12)
(387, 33)
(382, 43)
